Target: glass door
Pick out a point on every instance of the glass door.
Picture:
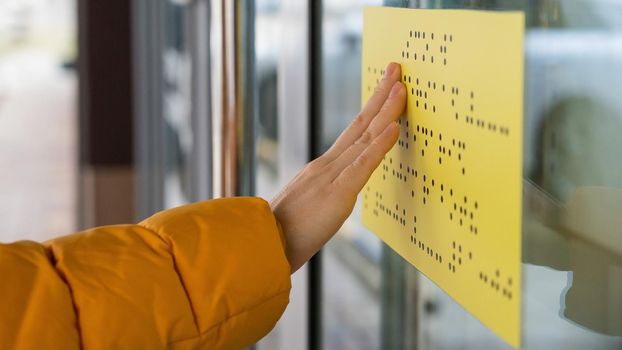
(303, 85)
(572, 249)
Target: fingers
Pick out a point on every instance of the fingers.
(355, 176)
(371, 109)
(390, 111)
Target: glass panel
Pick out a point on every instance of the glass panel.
(351, 266)
(176, 108)
(572, 252)
(267, 26)
(282, 136)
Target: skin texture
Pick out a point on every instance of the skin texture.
(314, 205)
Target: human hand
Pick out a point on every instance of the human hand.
(314, 205)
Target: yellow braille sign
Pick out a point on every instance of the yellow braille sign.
(447, 197)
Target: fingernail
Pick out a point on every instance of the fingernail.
(395, 89)
(390, 69)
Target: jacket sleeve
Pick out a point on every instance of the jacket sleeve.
(230, 256)
(210, 275)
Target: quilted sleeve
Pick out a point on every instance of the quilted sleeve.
(230, 256)
(209, 275)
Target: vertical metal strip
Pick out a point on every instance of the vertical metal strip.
(198, 13)
(230, 102)
(315, 150)
(217, 92)
(147, 32)
(232, 97)
(246, 99)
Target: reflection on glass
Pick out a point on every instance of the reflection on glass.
(572, 247)
(176, 106)
(267, 25)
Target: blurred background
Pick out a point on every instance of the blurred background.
(113, 110)
(38, 118)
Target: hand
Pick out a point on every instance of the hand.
(314, 205)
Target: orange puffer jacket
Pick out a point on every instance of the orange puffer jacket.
(210, 275)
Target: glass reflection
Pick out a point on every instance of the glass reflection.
(267, 26)
(176, 105)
